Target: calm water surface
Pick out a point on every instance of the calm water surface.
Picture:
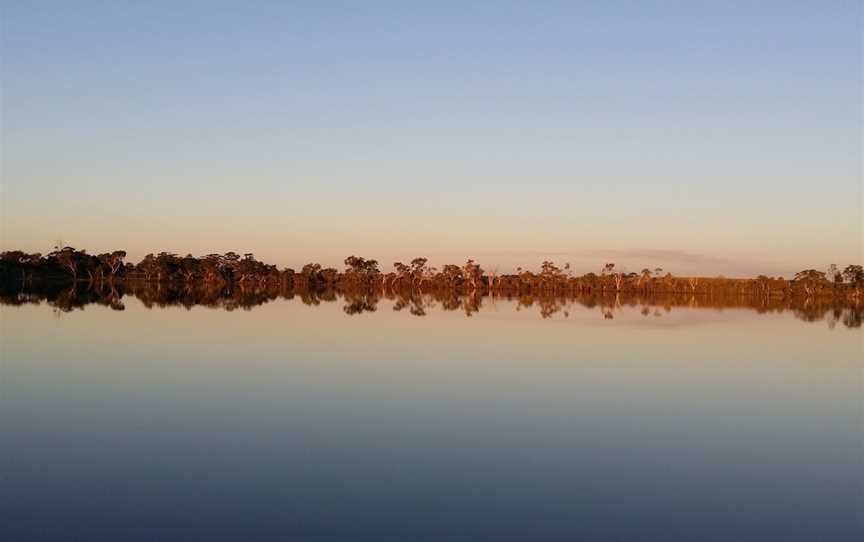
(290, 422)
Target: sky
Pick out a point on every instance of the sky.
(702, 137)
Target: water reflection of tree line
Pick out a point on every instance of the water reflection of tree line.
(66, 297)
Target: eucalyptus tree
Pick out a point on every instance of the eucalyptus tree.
(112, 261)
(854, 274)
(833, 273)
(644, 276)
(810, 275)
(361, 267)
(451, 273)
(473, 274)
(70, 259)
(418, 271)
(310, 270)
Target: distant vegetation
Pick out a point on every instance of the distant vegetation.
(231, 269)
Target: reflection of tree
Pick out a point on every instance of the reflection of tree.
(360, 303)
(450, 301)
(414, 302)
(68, 297)
(471, 303)
(549, 306)
(310, 297)
(852, 318)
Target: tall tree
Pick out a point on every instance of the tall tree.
(854, 274)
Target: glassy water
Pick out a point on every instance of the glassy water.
(326, 422)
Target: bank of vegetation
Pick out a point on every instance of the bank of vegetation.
(68, 264)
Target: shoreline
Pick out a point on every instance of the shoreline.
(69, 265)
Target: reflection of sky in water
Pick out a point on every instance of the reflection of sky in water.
(303, 423)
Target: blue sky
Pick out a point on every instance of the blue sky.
(720, 137)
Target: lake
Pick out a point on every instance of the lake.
(343, 419)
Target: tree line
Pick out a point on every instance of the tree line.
(70, 264)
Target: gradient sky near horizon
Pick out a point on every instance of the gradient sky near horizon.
(703, 137)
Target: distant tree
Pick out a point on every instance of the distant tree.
(658, 271)
(68, 258)
(310, 269)
(14, 256)
(645, 275)
(19, 263)
(834, 273)
(854, 274)
(810, 275)
(360, 271)
(147, 266)
(112, 261)
(329, 275)
(472, 273)
(361, 266)
(451, 273)
(212, 267)
(248, 268)
(550, 271)
(418, 271)
(168, 266)
(526, 276)
(230, 261)
(190, 267)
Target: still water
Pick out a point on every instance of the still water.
(298, 422)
